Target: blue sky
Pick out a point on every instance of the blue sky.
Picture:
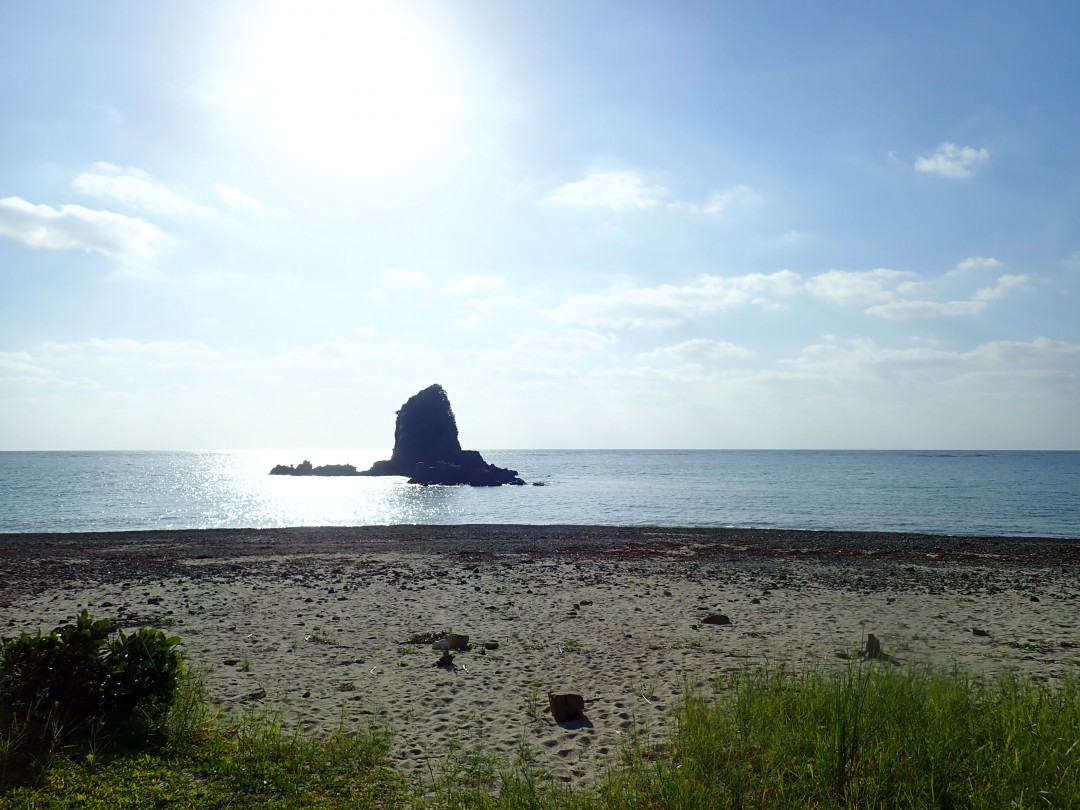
(607, 224)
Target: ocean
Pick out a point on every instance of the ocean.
(948, 493)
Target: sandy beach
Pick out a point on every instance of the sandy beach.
(326, 624)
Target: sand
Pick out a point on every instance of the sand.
(318, 623)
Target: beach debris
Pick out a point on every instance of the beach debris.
(873, 647)
(446, 661)
(440, 641)
(716, 618)
(424, 638)
(976, 631)
(491, 645)
(874, 652)
(565, 706)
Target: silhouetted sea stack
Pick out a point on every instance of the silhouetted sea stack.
(426, 447)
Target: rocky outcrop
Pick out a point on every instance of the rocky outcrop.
(305, 468)
(427, 450)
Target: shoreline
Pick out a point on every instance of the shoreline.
(540, 538)
(317, 622)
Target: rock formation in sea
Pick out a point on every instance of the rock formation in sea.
(305, 468)
(426, 447)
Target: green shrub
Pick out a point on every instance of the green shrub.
(77, 680)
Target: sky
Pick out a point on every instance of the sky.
(610, 224)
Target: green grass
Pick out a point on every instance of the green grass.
(868, 736)
(202, 759)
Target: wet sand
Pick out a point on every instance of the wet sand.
(320, 622)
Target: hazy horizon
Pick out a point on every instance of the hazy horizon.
(320, 455)
(598, 226)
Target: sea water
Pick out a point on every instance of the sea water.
(979, 493)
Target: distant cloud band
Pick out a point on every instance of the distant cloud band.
(881, 292)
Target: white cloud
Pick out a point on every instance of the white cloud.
(698, 350)
(900, 310)
(159, 354)
(474, 312)
(889, 293)
(74, 227)
(671, 304)
(859, 357)
(950, 160)
(723, 202)
(627, 190)
(134, 188)
(912, 310)
(400, 280)
(976, 263)
(619, 191)
(568, 341)
(861, 288)
(19, 363)
(237, 199)
(404, 276)
(1005, 283)
(1042, 347)
(477, 284)
(796, 237)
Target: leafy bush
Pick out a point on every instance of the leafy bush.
(77, 680)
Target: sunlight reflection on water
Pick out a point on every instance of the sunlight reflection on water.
(236, 490)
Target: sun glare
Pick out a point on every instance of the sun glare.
(349, 87)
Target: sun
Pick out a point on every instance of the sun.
(348, 87)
